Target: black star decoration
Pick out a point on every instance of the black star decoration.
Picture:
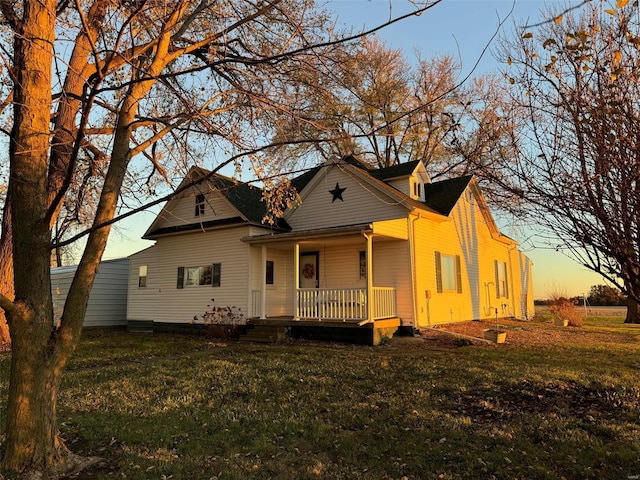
(337, 193)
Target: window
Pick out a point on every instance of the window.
(363, 264)
(448, 273)
(204, 275)
(269, 275)
(502, 289)
(142, 276)
(199, 205)
(417, 190)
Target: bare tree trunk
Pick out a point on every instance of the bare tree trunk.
(32, 436)
(32, 444)
(6, 269)
(633, 312)
(633, 315)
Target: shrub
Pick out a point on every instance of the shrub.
(565, 309)
(222, 322)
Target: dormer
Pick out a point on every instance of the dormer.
(410, 178)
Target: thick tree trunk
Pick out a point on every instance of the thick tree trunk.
(633, 313)
(6, 269)
(32, 435)
(32, 444)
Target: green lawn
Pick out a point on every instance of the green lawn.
(160, 406)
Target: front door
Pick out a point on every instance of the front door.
(309, 270)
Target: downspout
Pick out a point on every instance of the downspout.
(512, 297)
(296, 280)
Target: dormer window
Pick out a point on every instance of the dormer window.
(417, 190)
(199, 205)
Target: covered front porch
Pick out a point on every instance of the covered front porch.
(340, 275)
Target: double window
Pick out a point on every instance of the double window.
(448, 273)
(202, 275)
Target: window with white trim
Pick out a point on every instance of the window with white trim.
(142, 276)
(502, 288)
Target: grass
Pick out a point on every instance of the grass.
(159, 407)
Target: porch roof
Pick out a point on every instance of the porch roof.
(316, 233)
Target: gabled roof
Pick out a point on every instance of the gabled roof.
(442, 196)
(245, 198)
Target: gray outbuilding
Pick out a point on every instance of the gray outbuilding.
(107, 305)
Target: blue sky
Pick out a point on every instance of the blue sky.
(461, 28)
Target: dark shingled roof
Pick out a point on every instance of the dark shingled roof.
(246, 198)
(400, 170)
(443, 195)
(194, 226)
(302, 180)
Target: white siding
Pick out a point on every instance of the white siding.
(392, 268)
(181, 210)
(403, 184)
(280, 294)
(143, 301)
(181, 305)
(107, 303)
(361, 203)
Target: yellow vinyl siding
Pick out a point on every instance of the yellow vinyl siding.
(392, 228)
(467, 235)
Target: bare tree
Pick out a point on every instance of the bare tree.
(131, 85)
(378, 106)
(577, 175)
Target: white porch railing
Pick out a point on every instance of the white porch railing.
(256, 303)
(344, 303)
(384, 302)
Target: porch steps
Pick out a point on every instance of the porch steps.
(264, 333)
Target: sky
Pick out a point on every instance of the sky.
(463, 29)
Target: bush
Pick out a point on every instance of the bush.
(563, 308)
(223, 323)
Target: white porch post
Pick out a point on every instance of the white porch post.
(263, 285)
(369, 277)
(296, 280)
(250, 311)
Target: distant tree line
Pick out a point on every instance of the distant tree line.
(599, 295)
